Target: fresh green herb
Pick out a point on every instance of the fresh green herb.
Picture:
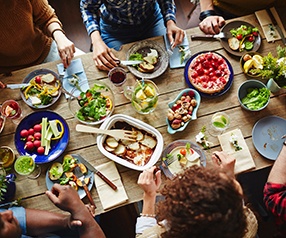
(136, 56)
(188, 147)
(46, 99)
(256, 98)
(3, 186)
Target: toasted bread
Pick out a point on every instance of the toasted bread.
(149, 141)
(233, 43)
(56, 171)
(48, 78)
(151, 59)
(146, 67)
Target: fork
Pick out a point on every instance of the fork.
(119, 134)
(220, 35)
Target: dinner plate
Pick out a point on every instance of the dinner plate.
(143, 47)
(172, 147)
(57, 146)
(29, 77)
(233, 25)
(227, 86)
(266, 136)
(81, 192)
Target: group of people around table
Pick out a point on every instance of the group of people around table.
(200, 202)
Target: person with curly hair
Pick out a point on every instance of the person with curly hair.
(200, 202)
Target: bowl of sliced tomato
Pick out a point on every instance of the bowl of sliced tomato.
(92, 103)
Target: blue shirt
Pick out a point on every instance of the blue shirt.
(124, 12)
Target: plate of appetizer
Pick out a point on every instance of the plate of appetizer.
(180, 155)
(241, 38)
(210, 73)
(154, 57)
(62, 172)
(42, 90)
(267, 136)
(43, 135)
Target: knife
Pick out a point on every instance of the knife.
(130, 62)
(277, 27)
(93, 169)
(220, 35)
(16, 86)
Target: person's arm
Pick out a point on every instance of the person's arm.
(210, 21)
(277, 173)
(103, 58)
(67, 199)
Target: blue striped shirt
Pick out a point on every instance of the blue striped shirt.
(124, 12)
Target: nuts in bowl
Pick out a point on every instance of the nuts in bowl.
(250, 63)
(140, 154)
(182, 110)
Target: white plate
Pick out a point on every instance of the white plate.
(142, 47)
(266, 136)
(80, 191)
(109, 122)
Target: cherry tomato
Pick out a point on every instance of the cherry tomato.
(31, 131)
(37, 135)
(37, 143)
(38, 79)
(239, 37)
(255, 33)
(29, 146)
(41, 150)
(24, 133)
(38, 127)
(183, 151)
(251, 38)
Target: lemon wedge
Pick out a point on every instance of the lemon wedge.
(140, 95)
(257, 61)
(150, 92)
(247, 65)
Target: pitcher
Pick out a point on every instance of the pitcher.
(143, 96)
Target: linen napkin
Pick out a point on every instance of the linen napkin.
(264, 21)
(244, 160)
(175, 58)
(108, 197)
(75, 68)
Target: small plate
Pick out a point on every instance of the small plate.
(29, 77)
(177, 144)
(266, 136)
(143, 46)
(233, 25)
(57, 146)
(81, 192)
(194, 113)
(227, 86)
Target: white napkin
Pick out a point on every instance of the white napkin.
(175, 58)
(244, 160)
(77, 69)
(109, 197)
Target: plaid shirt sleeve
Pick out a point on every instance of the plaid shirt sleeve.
(168, 9)
(275, 199)
(90, 14)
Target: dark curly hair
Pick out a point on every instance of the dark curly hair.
(201, 202)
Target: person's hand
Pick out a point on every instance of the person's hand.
(212, 24)
(174, 31)
(66, 48)
(103, 57)
(224, 161)
(149, 182)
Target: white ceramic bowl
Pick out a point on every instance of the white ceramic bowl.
(109, 122)
(242, 92)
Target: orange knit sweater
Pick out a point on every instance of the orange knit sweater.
(24, 40)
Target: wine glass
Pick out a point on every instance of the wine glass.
(219, 123)
(117, 76)
(11, 109)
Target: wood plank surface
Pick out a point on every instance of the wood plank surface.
(169, 84)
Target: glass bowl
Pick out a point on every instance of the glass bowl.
(85, 109)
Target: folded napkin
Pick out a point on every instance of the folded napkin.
(108, 197)
(264, 21)
(75, 68)
(175, 58)
(244, 160)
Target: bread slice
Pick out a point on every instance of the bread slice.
(233, 43)
(146, 67)
(48, 78)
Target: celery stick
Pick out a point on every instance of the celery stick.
(43, 131)
(54, 127)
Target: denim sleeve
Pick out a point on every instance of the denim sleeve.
(20, 214)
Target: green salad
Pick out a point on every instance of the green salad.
(256, 98)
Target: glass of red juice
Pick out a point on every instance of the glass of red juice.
(117, 76)
(11, 109)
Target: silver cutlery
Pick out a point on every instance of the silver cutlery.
(220, 35)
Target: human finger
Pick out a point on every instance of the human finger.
(179, 37)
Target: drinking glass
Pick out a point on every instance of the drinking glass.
(219, 123)
(26, 166)
(117, 76)
(11, 109)
(143, 96)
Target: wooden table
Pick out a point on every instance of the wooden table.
(170, 84)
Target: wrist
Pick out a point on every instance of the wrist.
(58, 31)
(207, 13)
